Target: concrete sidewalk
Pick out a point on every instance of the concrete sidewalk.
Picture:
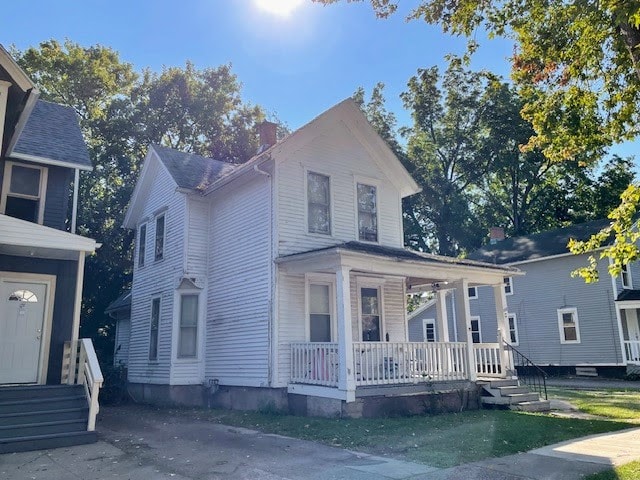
(139, 444)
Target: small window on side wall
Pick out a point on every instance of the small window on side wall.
(367, 213)
(508, 285)
(476, 333)
(625, 276)
(155, 325)
(142, 244)
(160, 234)
(473, 292)
(513, 329)
(188, 335)
(429, 330)
(568, 325)
(318, 203)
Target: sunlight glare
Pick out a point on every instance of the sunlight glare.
(282, 8)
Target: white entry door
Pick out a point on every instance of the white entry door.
(22, 311)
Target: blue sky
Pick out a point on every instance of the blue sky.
(295, 66)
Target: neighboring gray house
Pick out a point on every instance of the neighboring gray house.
(282, 281)
(557, 321)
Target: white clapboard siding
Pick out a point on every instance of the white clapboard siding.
(123, 332)
(239, 284)
(336, 153)
(157, 278)
(197, 237)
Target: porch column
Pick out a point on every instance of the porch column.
(346, 378)
(463, 321)
(442, 319)
(503, 328)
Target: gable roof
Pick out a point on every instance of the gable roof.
(192, 171)
(537, 246)
(123, 302)
(52, 136)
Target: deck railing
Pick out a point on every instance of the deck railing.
(488, 361)
(315, 363)
(80, 367)
(632, 350)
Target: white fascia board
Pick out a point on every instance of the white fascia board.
(49, 161)
(14, 70)
(22, 121)
(21, 233)
(421, 309)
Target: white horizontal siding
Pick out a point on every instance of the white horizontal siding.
(157, 279)
(336, 153)
(239, 285)
(197, 237)
(123, 332)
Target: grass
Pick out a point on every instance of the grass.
(621, 405)
(440, 440)
(630, 471)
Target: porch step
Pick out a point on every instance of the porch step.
(535, 406)
(511, 399)
(39, 417)
(510, 394)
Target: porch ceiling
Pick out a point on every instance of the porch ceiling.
(418, 268)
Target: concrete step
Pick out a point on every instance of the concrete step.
(42, 442)
(503, 383)
(508, 390)
(31, 392)
(535, 406)
(510, 399)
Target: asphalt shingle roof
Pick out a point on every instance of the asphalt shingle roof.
(52, 131)
(628, 295)
(539, 245)
(123, 302)
(190, 170)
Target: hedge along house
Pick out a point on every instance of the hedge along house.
(283, 280)
(41, 272)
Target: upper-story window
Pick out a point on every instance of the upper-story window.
(625, 275)
(142, 244)
(23, 191)
(318, 203)
(367, 213)
(508, 285)
(473, 292)
(159, 244)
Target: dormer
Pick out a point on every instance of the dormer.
(41, 151)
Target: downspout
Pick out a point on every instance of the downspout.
(74, 207)
(256, 168)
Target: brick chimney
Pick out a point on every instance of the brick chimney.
(496, 234)
(267, 131)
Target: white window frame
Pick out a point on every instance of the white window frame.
(320, 279)
(475, 318)
(574, 311)
(515, 328)
(626, 272)
(178, 333)
(42, 191)
(508, 282)
(142, 246)
(429, 321)
(306, 203)
(153, 299)
(368, 183)
(375, 284)
(164, 237)
(475, 295)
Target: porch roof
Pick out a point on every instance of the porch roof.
(419, 268)
(628, 295)
(22, 238)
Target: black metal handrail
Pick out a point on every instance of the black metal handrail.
(530, 373)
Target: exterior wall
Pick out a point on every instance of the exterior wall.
(157, 278)
(415, 328)
(546, 287)
(293, 320)
(336, 153)
(239, 284)
(123, 332)
(62, 320)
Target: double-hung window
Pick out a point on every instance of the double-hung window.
(568, 324)
(476, 333)
(159, 244)
(318, 203)
(153, 333)
(319, 313)
(625, 276)
(473, 292)
(371, 314)
(508, 285)
(23, 192)
(142, 244)
(513, 328)
(429, 330)
(367, 212)
(188, 335)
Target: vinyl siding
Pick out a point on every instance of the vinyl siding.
(197, 237)
(57, 197)
(157, 278)
(416, 332)
(123, 332)
(239, 286)
(333, 152)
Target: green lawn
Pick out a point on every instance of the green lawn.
(630, 471)
(614, 404)
(439, 440)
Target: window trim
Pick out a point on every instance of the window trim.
(181, 295)
(576, 323)
(378, 285)
(475, 296)
(142, 246)
(508, 282)
(306, 203)
(626, 269)
(476, 318)
(42, 191)
(153, 300)
(164, 237)
(425, 322)
(320, 279)
(515, 329)
(368, 183)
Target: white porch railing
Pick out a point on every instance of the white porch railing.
(80, 367)
(315, 363)
(384, 363)
(632, 351)
(488, 360)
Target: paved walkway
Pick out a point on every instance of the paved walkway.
(137, 444)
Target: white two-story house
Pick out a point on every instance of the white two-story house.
(282, 281)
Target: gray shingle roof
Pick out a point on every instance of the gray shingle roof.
(539, 245)
(123, 302)
(627, 295)
(190, 170)
(52, 132)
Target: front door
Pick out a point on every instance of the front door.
(22, 315)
